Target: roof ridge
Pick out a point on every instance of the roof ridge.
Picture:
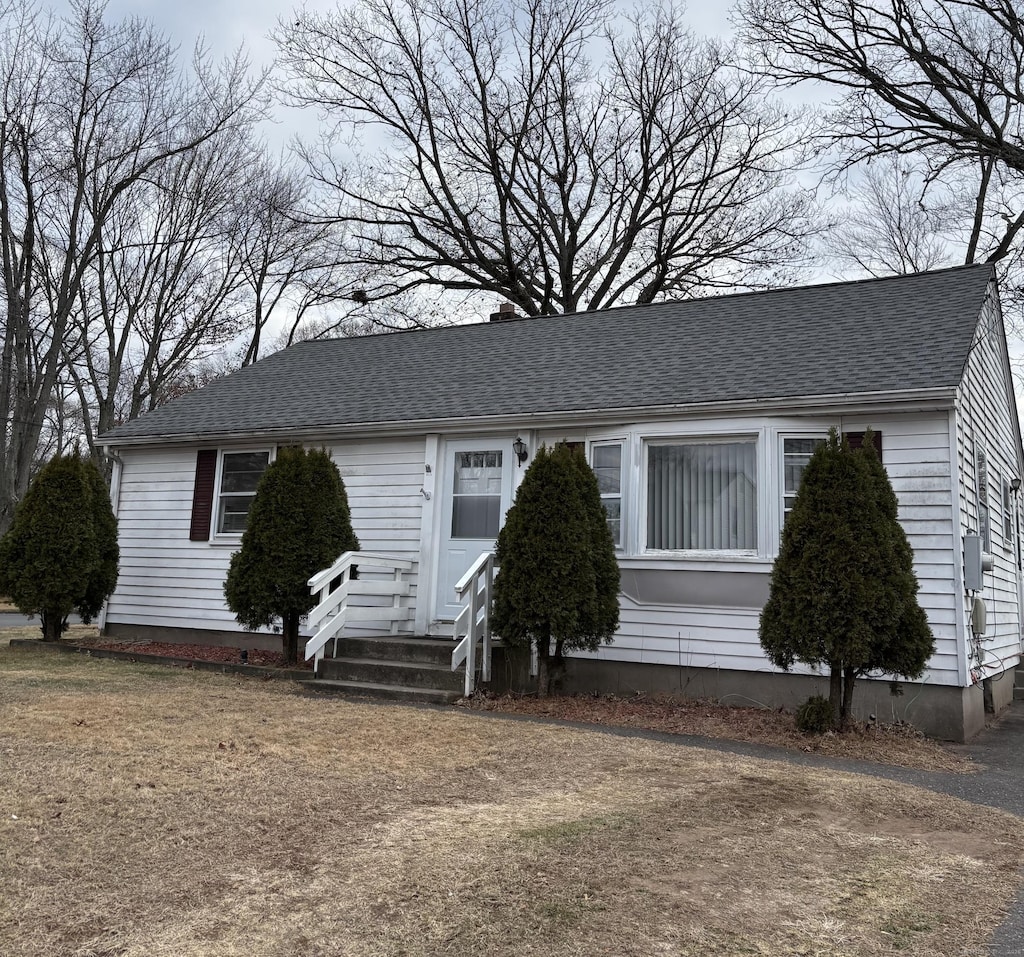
(684, 301)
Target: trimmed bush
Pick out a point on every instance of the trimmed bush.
(299, 523)
(843, 592)
(558, 580)
(60, 554)
(814, 716)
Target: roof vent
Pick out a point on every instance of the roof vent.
(506, 310)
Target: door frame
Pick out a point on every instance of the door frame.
(438, 472)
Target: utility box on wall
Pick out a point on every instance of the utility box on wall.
(972, 563)
(976, 563)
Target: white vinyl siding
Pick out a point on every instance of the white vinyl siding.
(167, 580)
(984, 417)
(916, 455)
(726, 638)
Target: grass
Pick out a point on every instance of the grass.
(158, 812)
(885, 744)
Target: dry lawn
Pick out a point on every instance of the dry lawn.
(886, 744)
(151, 812)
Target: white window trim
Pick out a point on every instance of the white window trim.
(622, 441)
(231, 537)
(983, 479)
(781, 469)
(718, 437)
(1006, 513)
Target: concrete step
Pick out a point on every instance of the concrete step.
(369, 689)
(436, 651)
(388, 672)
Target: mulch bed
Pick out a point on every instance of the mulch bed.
(255, 656)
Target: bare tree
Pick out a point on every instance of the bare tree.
(91, 112)
(163, 289)
(287, 257)
(901, 220)
(936, 81)
(893, 224)
(528, 152)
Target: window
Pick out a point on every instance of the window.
(239, 475)
(476, 495)
(702, 496)
(606, 461)
(1007, 513)
(984, 520)
(796, 453)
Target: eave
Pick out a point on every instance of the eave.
(913, 400)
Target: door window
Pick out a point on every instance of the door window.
(476, 496)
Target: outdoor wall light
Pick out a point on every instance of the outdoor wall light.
(519, 447)
(1015, 484)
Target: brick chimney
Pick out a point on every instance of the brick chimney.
(506, 310)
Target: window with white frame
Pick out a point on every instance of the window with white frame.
(606, 461)
(240, 473)
(702, 496)
(796, 453)
(984, 519)
(476, 494)
(1007, 513)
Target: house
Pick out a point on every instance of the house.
(698, 417)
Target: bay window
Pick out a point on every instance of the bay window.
(702, 496)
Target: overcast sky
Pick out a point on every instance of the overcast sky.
(227, 24)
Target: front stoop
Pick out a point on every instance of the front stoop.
(1018, 685)
(396, 668)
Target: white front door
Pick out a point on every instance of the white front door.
(476, 491)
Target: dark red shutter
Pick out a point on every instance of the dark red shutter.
(202, 495)
(856, 440)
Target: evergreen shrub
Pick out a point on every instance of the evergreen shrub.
(60, 554)
(299, 523)
(558, 580)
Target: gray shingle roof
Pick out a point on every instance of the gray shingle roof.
(883, 335)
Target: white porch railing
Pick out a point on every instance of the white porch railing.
(380, 577)
(473, 624)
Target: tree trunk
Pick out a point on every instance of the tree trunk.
(849, 677)
(544, 666)
(290, 638)
(835, 693)
(52, 625)
(556, 668)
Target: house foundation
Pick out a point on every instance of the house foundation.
(947, 713)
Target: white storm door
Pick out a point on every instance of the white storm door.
(476, 489)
